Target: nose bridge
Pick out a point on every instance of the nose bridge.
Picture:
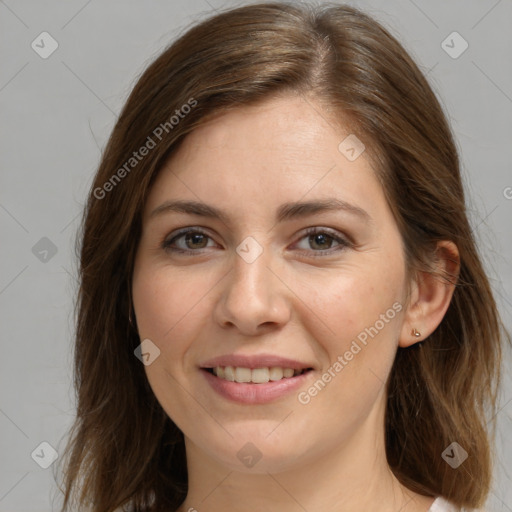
(251, 274)
(253, 295)
(251, 265)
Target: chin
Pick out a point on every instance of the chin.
(256, 451)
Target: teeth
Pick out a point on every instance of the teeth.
(260, 375)
(242, 375)
(229, 373)
(256, 375)
(276, 373)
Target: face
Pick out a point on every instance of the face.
(315, 288)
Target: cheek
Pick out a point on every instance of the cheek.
(169, 305)
(363, 316)
(349, 304)
(361, 306)
(170, 309)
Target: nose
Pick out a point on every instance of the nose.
(254, 299)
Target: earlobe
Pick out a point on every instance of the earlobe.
(431, 295)
(415, 333)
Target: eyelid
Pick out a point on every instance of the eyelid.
(343, 240)
(168, 239)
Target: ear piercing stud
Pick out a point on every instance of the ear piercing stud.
(415, 333)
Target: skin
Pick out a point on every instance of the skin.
(328, 454)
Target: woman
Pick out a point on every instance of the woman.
(282, 306)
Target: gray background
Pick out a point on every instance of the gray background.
(56, 116)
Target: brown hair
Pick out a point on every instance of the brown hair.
(123, 448)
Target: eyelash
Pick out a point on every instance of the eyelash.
(344, 243)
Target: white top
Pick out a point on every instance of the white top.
(441, 505)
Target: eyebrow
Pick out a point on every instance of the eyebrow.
(286, 211)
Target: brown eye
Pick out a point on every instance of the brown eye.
(187, 241)
(195, 240)
(320, 241)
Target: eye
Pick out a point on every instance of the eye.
(192, 239)
(320, 240)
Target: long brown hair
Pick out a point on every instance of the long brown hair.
(123, 449)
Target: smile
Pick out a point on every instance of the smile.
(236, 384)
(254, 375)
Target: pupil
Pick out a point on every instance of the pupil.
(195, 238)
(321, 237)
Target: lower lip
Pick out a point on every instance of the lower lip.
(250, 393)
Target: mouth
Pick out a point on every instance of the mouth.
(262, 375)
(255, 386)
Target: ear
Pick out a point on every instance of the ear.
(430, 295)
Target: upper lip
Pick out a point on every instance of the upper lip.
(255, 361)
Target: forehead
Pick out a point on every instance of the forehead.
(287, 125)
(284, 149)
